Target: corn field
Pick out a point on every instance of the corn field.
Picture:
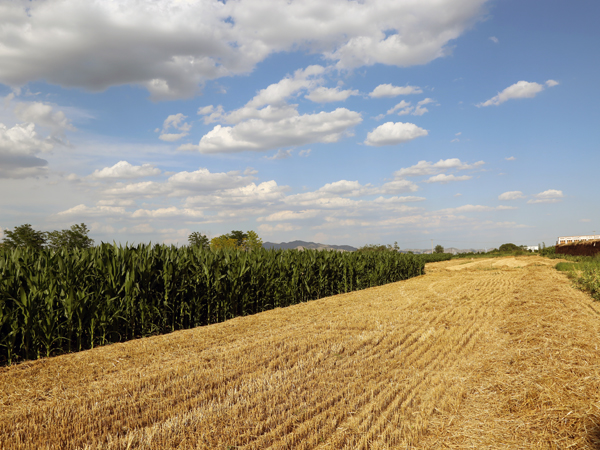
(57, 301)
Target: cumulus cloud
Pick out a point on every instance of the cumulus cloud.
(389, 90)
(43, 115)
(510, 158)
(19, 147)
(391, 133)
(428, 168)
(521, 89)
(263, 194)
(123, 169)
(326, 95)
(549, 196)
(171, 47)
(261, 135)
(177, 122)
(443, 178)
(178, 185)
(277, 93)
(511, 195)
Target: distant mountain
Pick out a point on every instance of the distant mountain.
(309, 245)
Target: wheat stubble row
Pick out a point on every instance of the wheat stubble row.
(489, 354)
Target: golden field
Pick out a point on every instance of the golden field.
(483, 354)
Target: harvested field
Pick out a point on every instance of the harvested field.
(490, 354)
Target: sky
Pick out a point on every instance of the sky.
(464, 123)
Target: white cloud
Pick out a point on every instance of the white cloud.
(286, 215)
(172, 137)
(511, 195)
(281, 154)
(172, 46)
(264, 194)
(176, 121)
(398, 186)
(585, 220)
(305, 152)
(261, 135)
(494, 39)
(19, 146)
(266, 228)
(204, 110)
(510, 158)
(179, 185)
(403, 106)
(549, 196)
(43, 115)
(443, 178)
(428, 168)
(276, 94)
(171, 212)
(521, 89)
(420, 110)
(123, 169)
(326, 95)
(389, 90)
(391, 133)
(95, 211)
(551, 83)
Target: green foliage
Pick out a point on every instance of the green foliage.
(252, 241)
(24, 236)
(585, 270)
(198, 240)
(438, 249)
(249, 241)
(239, 236)
(508, 248)
(224, 242)
(75, 237)
(373, 248)
(56, 301)
(379, 248)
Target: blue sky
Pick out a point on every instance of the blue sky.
(469, 122)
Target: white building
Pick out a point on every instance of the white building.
(571, 239)
(532, 248)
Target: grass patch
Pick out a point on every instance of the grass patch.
(585, 272)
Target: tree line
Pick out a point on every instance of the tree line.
(24, 236)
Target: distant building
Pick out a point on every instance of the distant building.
(571, 239)
(532, 248)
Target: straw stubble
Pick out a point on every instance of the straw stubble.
(491, 354)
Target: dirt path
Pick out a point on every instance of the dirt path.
(484, 354)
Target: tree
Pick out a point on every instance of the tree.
(239, 236)
(438, 249)
(75, 237)
(198, 240)
(24, 236)
(223, 242)
(508, 247)
(374, 248)
(252, 242)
